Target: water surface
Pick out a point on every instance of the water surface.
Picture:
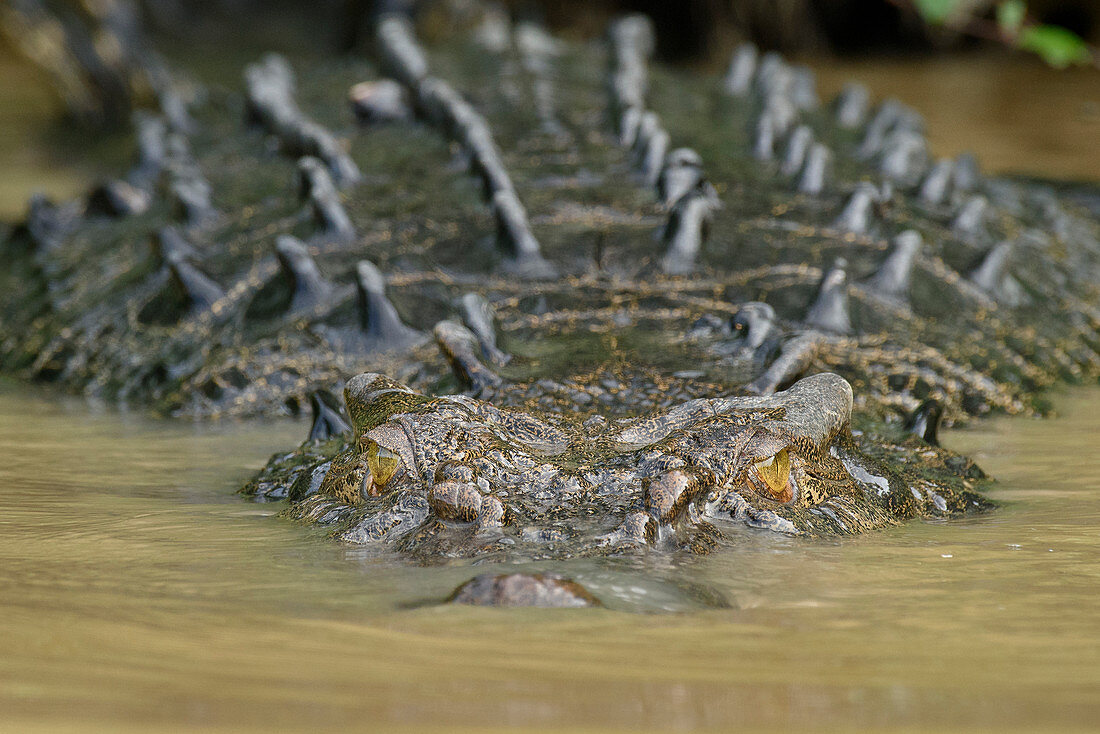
(138, 593)
(1015, 113)
(38, 153)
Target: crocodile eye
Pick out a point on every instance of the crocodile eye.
(775, 473)
(382, 462)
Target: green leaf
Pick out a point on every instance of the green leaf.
(936, 11)
(1010, 16)
(1057, 46)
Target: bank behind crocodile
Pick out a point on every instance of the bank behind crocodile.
(593, 307)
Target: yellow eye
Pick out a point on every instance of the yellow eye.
(775, 473)
(382, 463)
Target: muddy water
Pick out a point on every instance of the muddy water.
(37, 154)
(1016, 114)
(138, 593)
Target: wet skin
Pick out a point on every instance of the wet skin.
(453, 475)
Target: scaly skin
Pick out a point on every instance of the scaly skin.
(455, 476)
(624, 275)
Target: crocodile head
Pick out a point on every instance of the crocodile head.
(460, 476)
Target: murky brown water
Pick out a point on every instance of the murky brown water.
(138, 593)
(30, 135)
(1016, 114)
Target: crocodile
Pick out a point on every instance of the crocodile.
(584, 306)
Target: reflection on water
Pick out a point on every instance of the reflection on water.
(138, 593)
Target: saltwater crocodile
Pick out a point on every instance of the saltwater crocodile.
(674, 305)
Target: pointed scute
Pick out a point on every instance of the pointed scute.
(298, 265)
(893, 277)
(378, 318)
(925, 421)
(459, 346)
(829, 311)
(327, 421)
